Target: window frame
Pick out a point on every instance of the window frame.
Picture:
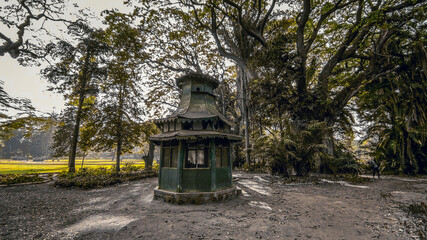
(198, 147)
(219, 158)
(170, 146)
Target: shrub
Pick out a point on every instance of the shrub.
(272, 155)
(257, 167)
(93, 178)
(344, 163)
(294, 149)
(156, 167)
(19, 178)
(239, 156)
(131, 167)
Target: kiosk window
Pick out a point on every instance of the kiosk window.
(170, 154)
(221, 156)
(197, 155)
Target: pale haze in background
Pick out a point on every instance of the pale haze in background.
(26, 82)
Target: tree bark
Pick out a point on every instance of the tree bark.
(83, 159)
(245, 111)
(75, 136)
(119, 149)
(150, 157)
(119, 130)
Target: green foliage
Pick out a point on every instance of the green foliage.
(117, 122)
(320, 57)
(131, 167)
(296, 149)
(26, 136)
(395, 105)
(62, 135)
(173, 46)
(19, 178)
(26, 124)
(156, 167)
(80, 68)
(298, 73)
(257, 167)
(94, 178)
(9, 123)
(274, 153)
(308, 148)
(344, 162)
(226, 99)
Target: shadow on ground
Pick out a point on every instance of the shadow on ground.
(268, 209)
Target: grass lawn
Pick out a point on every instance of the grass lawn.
(8, 166)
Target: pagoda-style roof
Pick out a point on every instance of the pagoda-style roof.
(196, 115)
(197, 99)
(198, 77)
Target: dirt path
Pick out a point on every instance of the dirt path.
(268, 209)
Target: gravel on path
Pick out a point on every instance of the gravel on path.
(268, 209)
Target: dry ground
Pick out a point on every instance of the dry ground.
(268, 209)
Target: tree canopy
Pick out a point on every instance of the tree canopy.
(296, 76)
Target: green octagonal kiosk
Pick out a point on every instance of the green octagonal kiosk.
(195, 146)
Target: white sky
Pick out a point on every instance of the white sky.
(26, 81)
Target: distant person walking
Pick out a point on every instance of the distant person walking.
(375, 168)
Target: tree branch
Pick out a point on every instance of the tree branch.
(221, 49)
(301, 26)
(256, 35)
(320, 22)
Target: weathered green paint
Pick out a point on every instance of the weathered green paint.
(168, 179)
(181, 179)
(197, 105)
(196, 180)
(230, 163)
(223, 179)
(213, 164)
(161, 163)
(180, 165)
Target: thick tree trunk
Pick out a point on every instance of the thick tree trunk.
(150, 157)
(247, 143)
(242, 77)
(75, 136)
(119, 130)
(119, 145)
(119, 150)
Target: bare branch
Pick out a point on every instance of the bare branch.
(221, 49)
(258, 34)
